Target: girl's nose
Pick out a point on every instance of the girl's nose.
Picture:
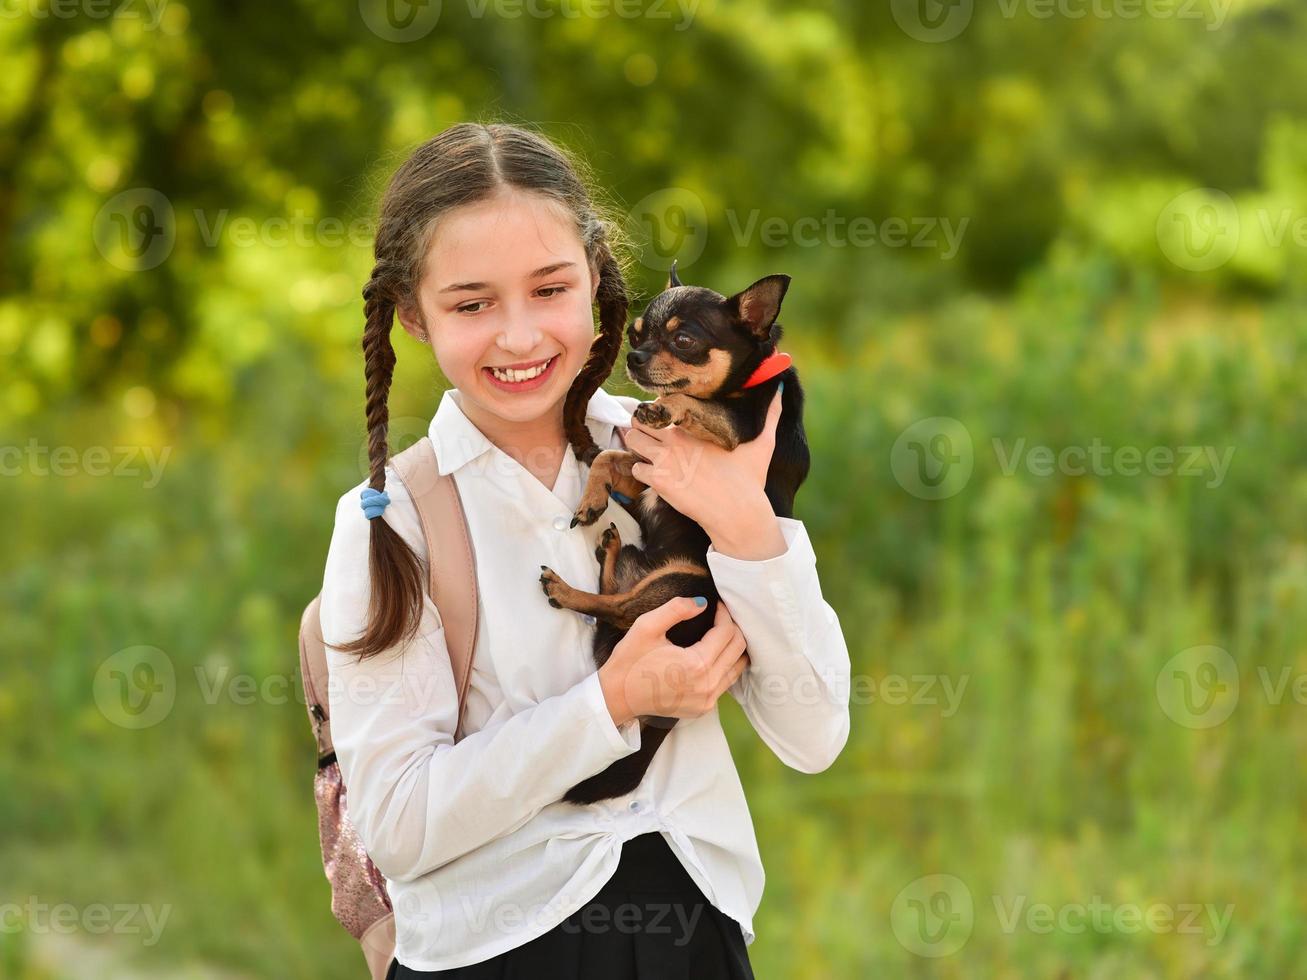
(519, 335)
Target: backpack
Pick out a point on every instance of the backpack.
(358, 890)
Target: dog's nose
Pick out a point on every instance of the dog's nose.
(637, 358)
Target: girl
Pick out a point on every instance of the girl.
(490, 249)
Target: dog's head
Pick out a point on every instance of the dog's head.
(693, 341)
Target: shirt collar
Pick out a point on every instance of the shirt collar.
(458, 441)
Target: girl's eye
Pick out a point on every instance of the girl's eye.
(546, 292)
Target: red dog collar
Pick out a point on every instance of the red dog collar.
(768, 369)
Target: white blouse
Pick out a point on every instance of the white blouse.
(479, 852)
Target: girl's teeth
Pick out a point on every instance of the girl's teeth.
(519, 375)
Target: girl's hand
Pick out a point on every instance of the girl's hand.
(720, 490)
(649, 675)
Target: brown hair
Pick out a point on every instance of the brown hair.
(464, 164)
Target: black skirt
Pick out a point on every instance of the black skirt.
(650, 921)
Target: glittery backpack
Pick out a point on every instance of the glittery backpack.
(358, 890)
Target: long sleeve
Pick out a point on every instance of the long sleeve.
(795, 691)
(418, 798)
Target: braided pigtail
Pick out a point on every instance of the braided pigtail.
(395, 604)
(613, 303)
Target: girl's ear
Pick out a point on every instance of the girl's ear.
(409, 320)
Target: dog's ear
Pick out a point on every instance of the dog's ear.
(672, 280)
(758, 306)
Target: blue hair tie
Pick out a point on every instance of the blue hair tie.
(374, 502)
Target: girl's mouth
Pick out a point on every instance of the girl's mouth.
(531, 379)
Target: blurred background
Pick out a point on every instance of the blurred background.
(1049, 259)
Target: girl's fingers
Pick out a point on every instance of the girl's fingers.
(641, 432)
(713, 642)
(737, 669)
(773, 413)
(736, 647)
(723, 629)
(732, 646)
(733, 660)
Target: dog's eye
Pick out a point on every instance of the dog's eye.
(683, 341)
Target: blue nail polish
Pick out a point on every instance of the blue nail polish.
(782, 386)
(621, 498)
(700, 601)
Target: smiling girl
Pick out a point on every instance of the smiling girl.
(490, 249)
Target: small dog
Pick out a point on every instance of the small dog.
(713, 364)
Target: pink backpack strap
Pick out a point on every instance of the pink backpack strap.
(313, 675)
(451, 558)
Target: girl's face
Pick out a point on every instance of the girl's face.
(506, 284)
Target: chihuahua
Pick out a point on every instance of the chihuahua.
(713, 364)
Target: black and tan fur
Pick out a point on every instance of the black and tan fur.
(694, 348)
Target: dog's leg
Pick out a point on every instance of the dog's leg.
(611, 470)
(622, 608)
(703, 419)
(609, 548)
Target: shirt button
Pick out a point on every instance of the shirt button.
(588, 619)
(635, 806)
(562, 522)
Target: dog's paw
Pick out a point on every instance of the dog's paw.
(611, 540)
(592, 505)
(653, 415)
(551, 583)
(611, 534)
